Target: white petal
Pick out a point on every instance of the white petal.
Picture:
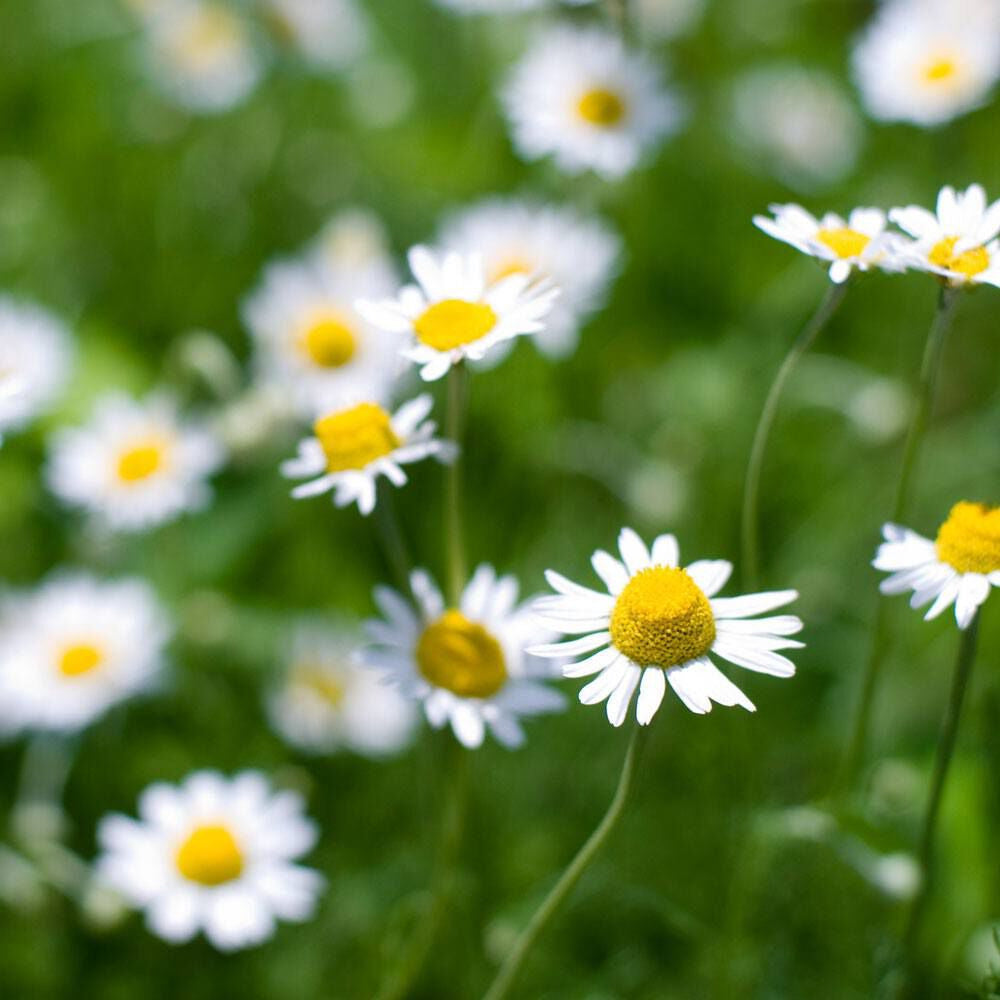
(621, 697)
(611, 571)
(751, 604)
(633, 551)
(651, 691)
(710, 574)
(665, 551)
(467, 725)
(561, 585)
(592, 664)
(574, 647)
(750, 657)
(688, 687)
(175, 916)
(605, 682)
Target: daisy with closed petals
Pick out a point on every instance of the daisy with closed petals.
(959, 567)
(467, 665)
(658, 625)
(213, 854)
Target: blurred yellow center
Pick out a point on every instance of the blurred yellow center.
(969, 262)
(141, 461)
(510, 265)
(940, 70)
(844, 242)
(461, 656)
(601, 107)
(453, 322)
(213, 30)
(79, 659)
(210, 855)
(662, 618)
(328, 342)
(321, 683)
(356, 437)
(969, 541)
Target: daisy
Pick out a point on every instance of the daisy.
(213, 854)
(581, 96)
(135, 465)
(75, 647)
(860, 242)
(580, 254)
(958, 567)
(329, 34)
(658, 624)
(501, 6)
(327, 701)
(454, 312)
(960, 242)
(467, 665)
(352, 447)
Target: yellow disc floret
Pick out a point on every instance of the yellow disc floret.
(601, 107)
(321, 683)
(662, 619)
(461, 656)
(210, 855)
(352, 439)
(969, 541)
(452, 323)
(328, 342)
(940, 70)
(78, 659)
(844, 242)
(141, 460)
(969, 262)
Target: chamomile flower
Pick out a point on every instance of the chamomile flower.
(515, 236)
(74, 647)
(467, 665)
(658, 624)
(327, 701)
(213, 854)
(860, 242)
(582, 97)
(958, 567)
(135, 464)
(329, 34)
(454, 312)
(959, 242)
(353, 446)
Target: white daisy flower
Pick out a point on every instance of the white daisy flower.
(501, 6)
(355, 240)
(860, 242)
(135, 465)
(515, 236)
(658, 624)
(958, 243)
(454, 312)
(309, 340)
(76, 646)
(213, 854)
(958, 567)
(352, 447)
(36, 353)
(329, 34)
(327, 701)
(467, 664)
(582, 97)
(925, 62)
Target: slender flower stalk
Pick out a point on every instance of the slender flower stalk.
(751, 490)
(453, 526)
(391, 536)
(505, 978)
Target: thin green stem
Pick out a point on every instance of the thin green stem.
(390, 534)
(751, 490)
(571, 875)
(453, 526)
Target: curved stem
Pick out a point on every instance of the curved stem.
(453, 526)
(571, 875)
(751, 490)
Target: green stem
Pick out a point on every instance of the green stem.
(567, 881)
(751, 490)
(391, 536)
(453, 526)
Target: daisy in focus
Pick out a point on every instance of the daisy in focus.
(135, 465)
(657, 625)
(352, 447)
(958, 242)
(957, 568)
(329, 34)
(582, 97)
(454, 312)
(327, 701)
(467, 665)
(858, 243)
(213, 854)
(579, 254)
(75, 647)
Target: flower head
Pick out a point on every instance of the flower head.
(329, 34)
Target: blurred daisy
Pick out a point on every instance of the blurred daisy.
(354, 446)
(514, 236)
(354, 239)
(663, 20)
(329, 34)
(454, 312)
(859, 243)
(75, 647)
(658, 624)
(958, 243)
(925, 62)
(36, 353)
(213, 854)
(326, 701)
(135, 465)
(467, 664)
(579, 95)
(958, 567)
(502, 6)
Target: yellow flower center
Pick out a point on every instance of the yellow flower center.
(601, 107)
(940, 70)
(328, 342)
(969, 262)
(844, 242)
(453, 322)
(321, 683)
(79, 659)
(210, 33)
(511, 265)
(662, 618)
(142, 460)
(354, 438)
(461, 656)
(969, 541)
(210, 855)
